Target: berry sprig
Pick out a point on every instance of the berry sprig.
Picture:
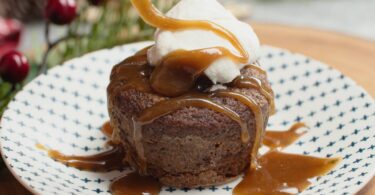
(14, 68)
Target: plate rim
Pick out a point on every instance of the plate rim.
(136, 44)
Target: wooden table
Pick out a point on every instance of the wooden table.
(352, 56)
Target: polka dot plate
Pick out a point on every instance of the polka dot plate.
(65, 109)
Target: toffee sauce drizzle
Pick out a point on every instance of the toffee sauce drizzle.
(281, 173)
(276, 172)
(256, 83)
(282, 139)
(134, 184)
(134, 73)
(177, 72)
(151, 15)
(101, 162)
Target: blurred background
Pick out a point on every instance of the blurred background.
(353, 17)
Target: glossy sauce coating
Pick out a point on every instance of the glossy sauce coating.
(282, 139)
(259, 121)
(134, 184)
(177, 75)
(135, 75)
(107, 129)
(151, 15)
(275, 173)
(102, 162)
(178, 71)
(282, 173)
(241, 82)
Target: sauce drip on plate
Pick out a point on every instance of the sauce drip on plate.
(282, 139)
(109, 160)
(107, 129)
(275, 173)
(134, 184)
(282, 173)
(102, 162)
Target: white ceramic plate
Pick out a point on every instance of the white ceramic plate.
(65, 109)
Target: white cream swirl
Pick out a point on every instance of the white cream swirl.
(223, 70)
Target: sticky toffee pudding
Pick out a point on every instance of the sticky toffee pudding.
(175, 126)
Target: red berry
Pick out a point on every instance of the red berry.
(14, 67)
(61, 12)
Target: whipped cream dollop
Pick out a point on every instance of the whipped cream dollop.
(223, 70)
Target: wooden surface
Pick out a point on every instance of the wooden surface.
(352, 56)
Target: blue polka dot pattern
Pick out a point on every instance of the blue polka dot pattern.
(65, 109)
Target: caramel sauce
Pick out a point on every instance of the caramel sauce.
(282, 173)
(196, 100)
(135, 184)
(107, 129)
(256, 66)
(166, 107)
(275, 173)
(242, 82)
(282, 139)
(179, 70)
(132, 183)
(102, 162)
(135, 73)
(151, 15)
(259, 120)
(177, 74)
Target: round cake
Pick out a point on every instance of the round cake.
(189, 146)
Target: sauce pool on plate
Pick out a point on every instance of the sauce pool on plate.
(282, 173)
(275, 172)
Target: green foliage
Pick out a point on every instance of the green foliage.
(112, 24)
